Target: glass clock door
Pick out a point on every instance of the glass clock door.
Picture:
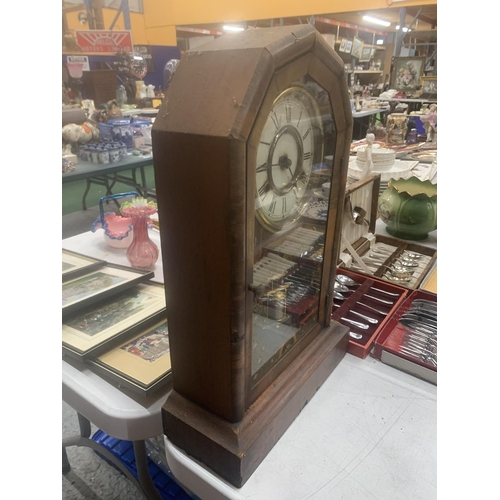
(293, 174)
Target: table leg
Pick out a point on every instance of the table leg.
(143, 181)
(144, 484)
(84, 204)
(141, 463)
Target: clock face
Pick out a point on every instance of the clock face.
(289, 145)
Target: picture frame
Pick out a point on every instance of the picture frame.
(366, 53)
(75, 264)
(348, 47)
(429, 87)
(357, 47)
(406, 73)
(142, 363)
(343, 45)
(97, 285)
(97, 328)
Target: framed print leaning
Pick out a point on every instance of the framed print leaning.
(142, 363)
(357, 47)
(406, 73)
(98, 285)
(96, 329)
(429, 87)
(75, 264)
(366, 53)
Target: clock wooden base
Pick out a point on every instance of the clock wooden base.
(235, 450)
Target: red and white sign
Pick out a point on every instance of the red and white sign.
(102, 41)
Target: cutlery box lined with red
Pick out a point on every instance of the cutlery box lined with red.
(389, 345)
(373, 298)
(359, 240)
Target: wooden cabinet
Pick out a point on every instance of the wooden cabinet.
(100, 85)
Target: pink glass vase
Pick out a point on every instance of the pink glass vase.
(142, 252)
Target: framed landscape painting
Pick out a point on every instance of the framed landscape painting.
(98, 285)
(75, 264)
(97, 328)
(406, 73)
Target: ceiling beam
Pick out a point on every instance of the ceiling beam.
(333, 22)
(412, 11)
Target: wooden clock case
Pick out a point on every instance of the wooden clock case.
(204, 143)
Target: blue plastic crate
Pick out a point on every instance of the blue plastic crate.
(166, 485)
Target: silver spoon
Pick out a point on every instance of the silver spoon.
(341, 288)
(356, 336)
(363, 326)
(345, 280)
(382, 301)
(398, 279)
(338, 296)
(372, 309)
(373, 321)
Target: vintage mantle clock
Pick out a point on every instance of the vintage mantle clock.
(252, 126)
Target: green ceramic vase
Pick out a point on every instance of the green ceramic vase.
(409, 208)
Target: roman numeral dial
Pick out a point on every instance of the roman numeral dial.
(286, 151)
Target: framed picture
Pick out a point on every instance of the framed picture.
(343, 45)
(142, 363)
(348, 47)
(98, 285)
(75, 264)
(96, 329)
(429, 87)
(406, 72)
(357, 47)
(366, 53)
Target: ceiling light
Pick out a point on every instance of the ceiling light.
(405, 29)
(229, 27)
(380, 41)
(375, 20)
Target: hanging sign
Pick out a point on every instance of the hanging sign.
(80, 59)
(145, 52)
(104, 42)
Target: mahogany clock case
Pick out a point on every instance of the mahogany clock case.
(205, 143)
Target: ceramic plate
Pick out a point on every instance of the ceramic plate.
(375, 145)
(318, 210)
(429, 155)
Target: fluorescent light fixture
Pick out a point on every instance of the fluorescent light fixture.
(375, 20)
(380, 41)
(229, 27)
(405, 29)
